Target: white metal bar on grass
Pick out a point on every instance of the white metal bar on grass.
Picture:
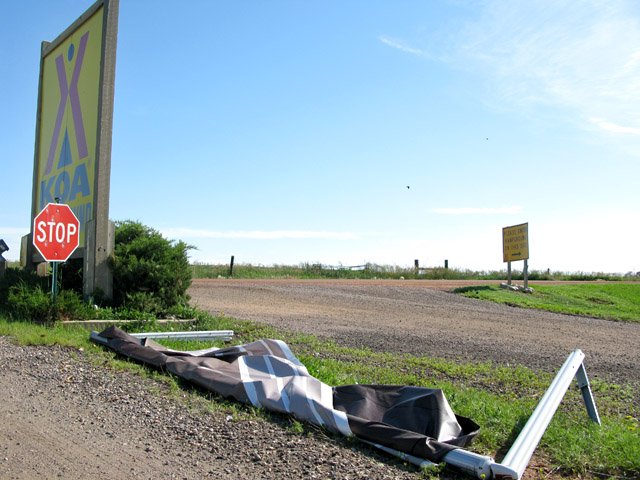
(196, 335)
(224, 335)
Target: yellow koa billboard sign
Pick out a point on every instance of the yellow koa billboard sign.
(68, 121)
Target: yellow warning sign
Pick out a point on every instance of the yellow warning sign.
(515, 243)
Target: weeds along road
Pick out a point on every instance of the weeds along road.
(422, 317)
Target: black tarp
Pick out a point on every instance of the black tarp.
(413, 420)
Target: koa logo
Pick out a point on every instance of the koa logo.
(70, 178)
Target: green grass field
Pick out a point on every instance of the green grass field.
(611, 301)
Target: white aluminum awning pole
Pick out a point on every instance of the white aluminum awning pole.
(517, 459)
(196, 335)
(520, 453)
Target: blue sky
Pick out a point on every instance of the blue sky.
(346, 132)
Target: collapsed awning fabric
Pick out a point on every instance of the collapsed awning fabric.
(413, 420)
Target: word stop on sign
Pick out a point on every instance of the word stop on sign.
(55, 232)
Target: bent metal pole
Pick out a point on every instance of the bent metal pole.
(515, 462)
(520, 453)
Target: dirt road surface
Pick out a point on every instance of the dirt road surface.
(423, 317)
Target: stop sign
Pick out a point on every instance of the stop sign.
(56, 232)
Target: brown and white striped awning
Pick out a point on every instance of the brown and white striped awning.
(415, 421)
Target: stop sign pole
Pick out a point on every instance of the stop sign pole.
(56, 235)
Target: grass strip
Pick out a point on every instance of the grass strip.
(620, 301)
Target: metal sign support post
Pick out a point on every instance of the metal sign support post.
(508, 273)
(54, 274)
(526, 273)
(54, 281)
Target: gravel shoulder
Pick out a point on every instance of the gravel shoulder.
(62, 417)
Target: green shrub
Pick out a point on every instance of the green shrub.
(143, 302)
(150, 273)
(122, 313)
(24, 296)
(69, 305)
(31, 302)
(18, 276)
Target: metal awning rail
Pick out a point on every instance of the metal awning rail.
(225, 335)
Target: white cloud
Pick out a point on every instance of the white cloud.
(400, 45)
(613, 128)
(258, 234)
(478, 210)
(581, 58)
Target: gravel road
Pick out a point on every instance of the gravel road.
(425, 318)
